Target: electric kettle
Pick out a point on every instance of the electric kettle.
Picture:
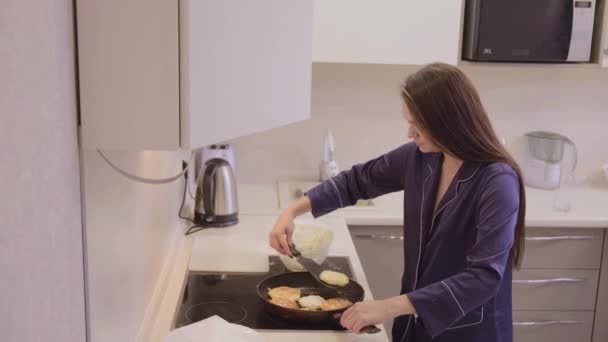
(216, 201)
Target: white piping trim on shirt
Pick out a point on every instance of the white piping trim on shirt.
(450, 201)
(468, 179)
(419, 248)
(500, 224)
(452, 293)
(508, 249)
(440, 209)
(338, 192)
(490, 231)
(470, 324)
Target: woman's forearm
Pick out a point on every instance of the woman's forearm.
(301, 206)
(400, 305)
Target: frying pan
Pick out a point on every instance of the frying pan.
(308, 285)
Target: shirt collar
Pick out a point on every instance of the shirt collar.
(467, 170)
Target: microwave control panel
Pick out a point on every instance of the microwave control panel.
(582, 30)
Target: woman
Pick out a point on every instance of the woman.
(464, 208)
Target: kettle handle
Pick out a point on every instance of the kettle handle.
(209, 191)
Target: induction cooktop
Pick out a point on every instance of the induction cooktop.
(233, 297)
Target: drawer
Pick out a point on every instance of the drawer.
(380, 250)
(553, 326)
(563, 248)
(555, 289)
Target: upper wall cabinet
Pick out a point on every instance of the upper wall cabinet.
(386, 31)
(165, 74)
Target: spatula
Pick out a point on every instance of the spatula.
(309, 265)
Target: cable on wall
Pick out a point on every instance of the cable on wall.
(146, 180)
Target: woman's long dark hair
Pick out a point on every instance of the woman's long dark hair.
(444, 103)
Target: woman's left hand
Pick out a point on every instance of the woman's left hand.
(362, 314)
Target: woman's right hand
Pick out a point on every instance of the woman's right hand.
(280, 236)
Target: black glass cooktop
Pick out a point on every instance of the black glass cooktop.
(233, 297)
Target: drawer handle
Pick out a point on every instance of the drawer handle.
(548, 281)
(559, 238)
(541, 323)
(380, 237)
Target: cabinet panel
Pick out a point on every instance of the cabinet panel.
(386, 31)
(563, 248)
(129, 74)
(554, 326)
(245, 67)
(555, 289)
(160, 75)
(600, 330)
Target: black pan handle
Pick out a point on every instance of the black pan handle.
(368, 329)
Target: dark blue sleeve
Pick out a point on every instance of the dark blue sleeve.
(441, 304)
(371, 179)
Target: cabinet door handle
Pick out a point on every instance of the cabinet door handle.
(541, 323)
(548, 281)
(559, 238)
(380, 237)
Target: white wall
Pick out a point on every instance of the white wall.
(130, 228)
(360, 103)
(41, 262)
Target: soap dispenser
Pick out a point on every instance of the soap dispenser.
(329, 166)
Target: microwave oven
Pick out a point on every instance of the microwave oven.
(528, 30)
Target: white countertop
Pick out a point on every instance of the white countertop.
(251, 236)
(589, 207)
(259, 206)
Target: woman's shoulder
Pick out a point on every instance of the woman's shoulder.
(403, 153)
(411, 151)
(408, 148)
(499, 176)
(498, 168)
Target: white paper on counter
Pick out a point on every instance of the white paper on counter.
(213, 329)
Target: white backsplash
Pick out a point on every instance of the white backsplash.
(129, 228)
(360, 104)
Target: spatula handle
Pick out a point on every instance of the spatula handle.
(368, 329)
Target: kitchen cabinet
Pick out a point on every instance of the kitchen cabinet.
(168, 74)
(555, 289)
(554, 326)
(554, 294)
(600, 330)
(380, 250)
(563, 248)
(386, 31)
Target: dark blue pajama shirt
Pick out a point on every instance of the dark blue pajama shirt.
(457, 270)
